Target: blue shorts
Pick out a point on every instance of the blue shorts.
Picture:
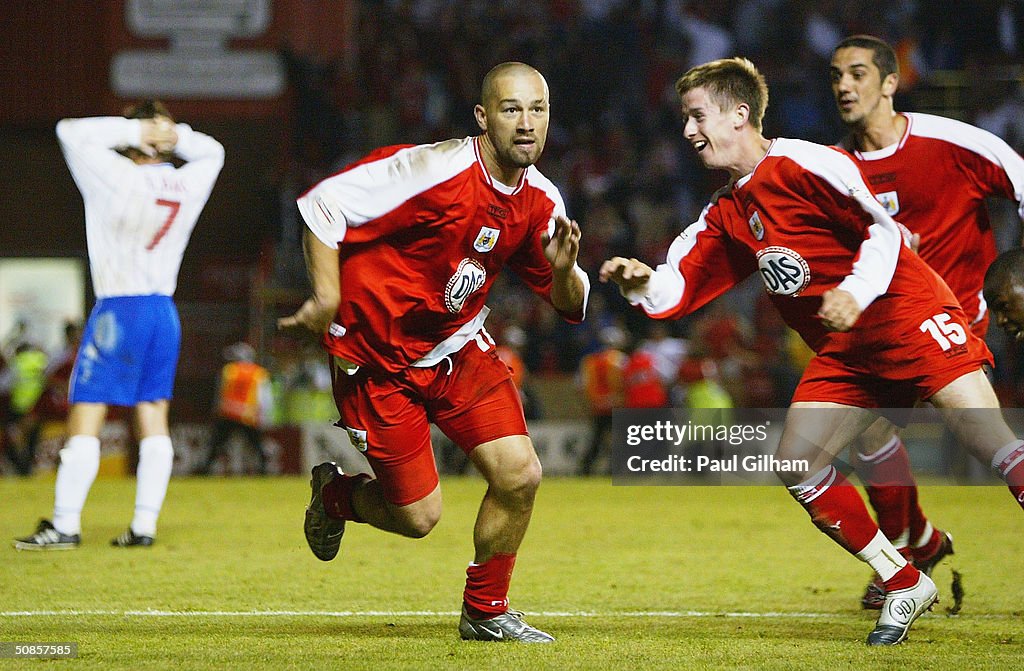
(129, 352)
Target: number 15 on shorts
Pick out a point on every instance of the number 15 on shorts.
(945, 332)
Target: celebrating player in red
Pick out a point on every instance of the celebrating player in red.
(1004, 292)
(931, 174)
(885, 329)
(402, 248)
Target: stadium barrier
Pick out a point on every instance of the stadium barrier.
(294, 449)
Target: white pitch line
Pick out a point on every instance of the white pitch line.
(441, 613)
(388, 613)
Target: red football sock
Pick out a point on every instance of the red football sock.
(891, 488)
(890, 505)
(486, 593)
(836, 509)
(918, 522)
(1009, 462)
(337, 496)
(930, 545)
(904, 578)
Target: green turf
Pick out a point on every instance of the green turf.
(236, 546)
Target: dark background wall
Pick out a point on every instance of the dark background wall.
(55, 62)
(56, 57)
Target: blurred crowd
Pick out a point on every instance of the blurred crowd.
(33, 390)
(615, 147)
(615, 150)
(292, 388)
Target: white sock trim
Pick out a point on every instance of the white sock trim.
(901, 541)
(1007, 458)
(814, 486)
(883, 453)
(882, 556)
(926, 535)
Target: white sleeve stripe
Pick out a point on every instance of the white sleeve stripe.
(979, 141)
(879, 253)
(864, 284)
(585, 280)
(332, 233)
(371, 190)
(831, 165)
(667, 285)
(536, 179)
(324, 211)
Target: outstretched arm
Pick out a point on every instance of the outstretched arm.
(631, 275)
(700, 266)
(315, 315)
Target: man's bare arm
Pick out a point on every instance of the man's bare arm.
(322, 266)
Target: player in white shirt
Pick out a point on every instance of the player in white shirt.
(140, 210)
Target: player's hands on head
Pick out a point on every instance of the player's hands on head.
(562, 248)
(629, 274)
(159, 136)
(310, 320)
(839, 310)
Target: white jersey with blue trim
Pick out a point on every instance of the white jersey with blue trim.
(138, 218)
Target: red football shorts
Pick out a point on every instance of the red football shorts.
(472, 400)
(917, 358)
(980, 327)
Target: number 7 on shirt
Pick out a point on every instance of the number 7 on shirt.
(174, 207)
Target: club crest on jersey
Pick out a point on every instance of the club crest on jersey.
(486, 239)
(756, 227)
(357, 437)
(468, 277)
(783, 271)
(890, 200)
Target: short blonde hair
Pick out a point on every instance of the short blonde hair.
(729, 81)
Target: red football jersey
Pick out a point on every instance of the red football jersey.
(934, 181)
(601, 374)
(422, 232)
(807, 222)
(641, 383)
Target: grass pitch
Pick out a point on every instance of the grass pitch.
(623, 577)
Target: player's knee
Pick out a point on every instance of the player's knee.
(520, 480)
(421, 526)
(532, 475)
(791, 470)
(419, 519)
